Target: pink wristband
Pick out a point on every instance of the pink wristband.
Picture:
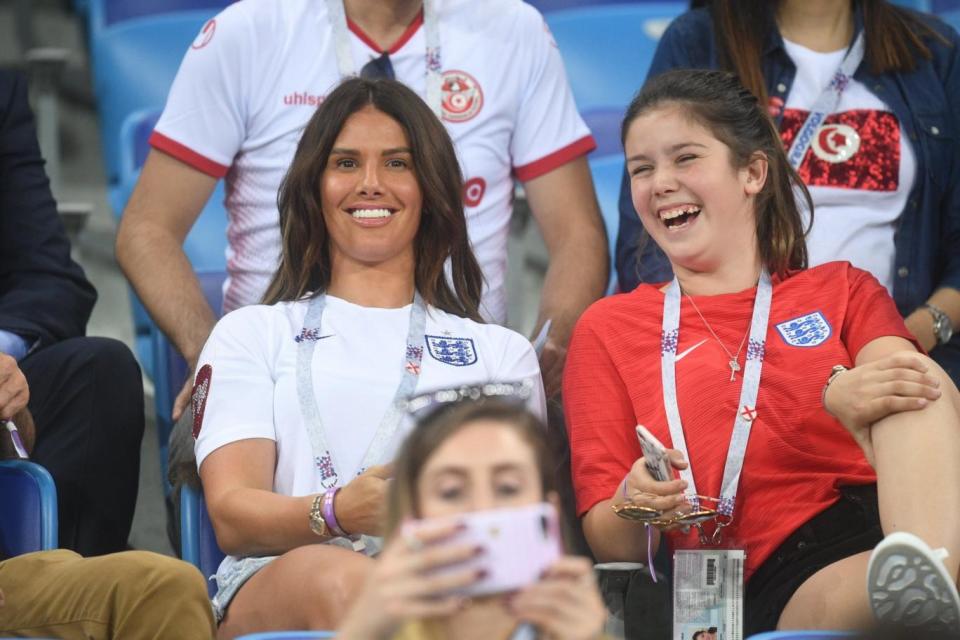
(329, 516)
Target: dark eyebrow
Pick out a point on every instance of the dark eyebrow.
(341, 151)
(671, 149)
(460, 471)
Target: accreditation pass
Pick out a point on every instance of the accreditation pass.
(708, 594)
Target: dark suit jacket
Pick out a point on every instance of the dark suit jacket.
(44, 295)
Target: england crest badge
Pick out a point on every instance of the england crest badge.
(459, 352)
(806, 331)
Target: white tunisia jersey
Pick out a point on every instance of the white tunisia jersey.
(256, 73)
(859, 168)
(246, 384)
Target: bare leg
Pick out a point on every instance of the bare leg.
(309, 587)
(833, 598)
(918, 475)
(918, 482)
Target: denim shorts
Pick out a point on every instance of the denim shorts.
(849, 526)
(230, 580)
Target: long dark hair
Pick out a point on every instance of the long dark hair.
(305, 259)
(717, 101)
(894, 38)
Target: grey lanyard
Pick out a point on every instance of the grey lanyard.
(827, 102)
(746, 410)
(413, 355)
(347, 68)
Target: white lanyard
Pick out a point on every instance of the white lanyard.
(412, 357)
(746, 410)
(432, 59)
(827, 102)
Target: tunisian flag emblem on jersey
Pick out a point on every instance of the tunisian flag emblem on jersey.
(462, 96)
(857, 149)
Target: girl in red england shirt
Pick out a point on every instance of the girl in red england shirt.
(736, 350)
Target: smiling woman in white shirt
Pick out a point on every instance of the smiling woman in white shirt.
(296, 400)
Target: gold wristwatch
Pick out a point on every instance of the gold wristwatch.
(317, 524)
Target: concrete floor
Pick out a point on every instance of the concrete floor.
(83, 180)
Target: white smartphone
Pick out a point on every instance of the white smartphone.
(518, 544)
(654, 455)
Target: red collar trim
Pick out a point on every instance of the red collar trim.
(402, 40)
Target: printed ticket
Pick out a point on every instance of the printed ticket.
(708, 594)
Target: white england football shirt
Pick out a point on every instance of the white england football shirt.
(257, 71)
(248, 371)
(859, 168)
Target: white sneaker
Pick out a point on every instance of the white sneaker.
(908, 585)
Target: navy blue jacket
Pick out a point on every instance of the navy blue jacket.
(44, 295)
(926, 101)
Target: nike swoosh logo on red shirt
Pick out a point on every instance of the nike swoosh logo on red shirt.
(683, 354)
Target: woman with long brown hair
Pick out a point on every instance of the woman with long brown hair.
(477, 456)
(807, 429)
(297, 400)
(864, 94)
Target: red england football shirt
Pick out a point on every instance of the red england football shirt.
(797, 455)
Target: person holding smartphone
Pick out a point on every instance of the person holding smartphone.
(295, 400)
(808, 428)
(480, 460)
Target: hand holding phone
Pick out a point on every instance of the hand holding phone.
(654, 455)
(518, 544)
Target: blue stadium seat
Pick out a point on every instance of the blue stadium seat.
(171, 369)
(134, 63)
(28, 508)
(109, 12)
(604, 124)
(205, 245)
(198, 544)
(940, 7)
(607, 49)
(607, 172)
(952, 18)
(289, 635)
(919, 5)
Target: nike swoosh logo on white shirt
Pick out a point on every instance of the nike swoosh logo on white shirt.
(683, 354)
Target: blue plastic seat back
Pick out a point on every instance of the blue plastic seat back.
(198, 543)
(134, 63)
(952, 18)
(919, 5)
(28, 508)
(604, 124)
(943, 6)
(607, 49)
(607, 172)
(205, 245)
(109, 12)
(171, 369)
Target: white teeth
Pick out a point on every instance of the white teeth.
(370, 213)
(679, 211)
